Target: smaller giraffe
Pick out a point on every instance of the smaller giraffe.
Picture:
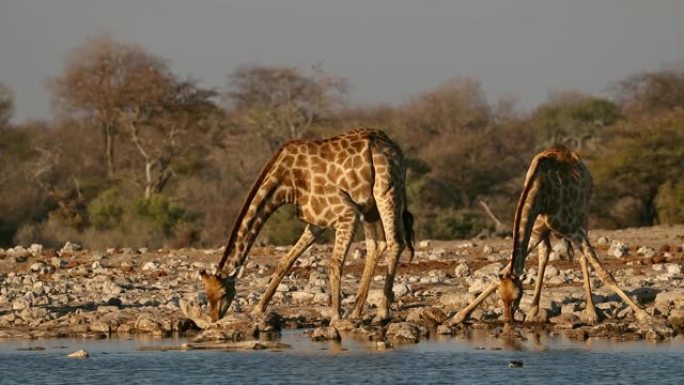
(334, 183)
(554, 201)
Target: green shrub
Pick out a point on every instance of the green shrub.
(669, 202)
(105, 210)
(161, 212)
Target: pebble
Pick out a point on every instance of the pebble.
(79, 354)
(515, 364)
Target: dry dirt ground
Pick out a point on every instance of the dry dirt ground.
(73, 292)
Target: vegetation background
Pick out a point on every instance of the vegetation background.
(139, 156)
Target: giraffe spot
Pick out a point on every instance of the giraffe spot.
(300, 161)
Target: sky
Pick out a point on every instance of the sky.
(388, 50)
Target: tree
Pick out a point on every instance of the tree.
(573, 119)
(6, 105)
(102, 80)
(282, 103)
(651, 91)
(641, 156)
(161, 128)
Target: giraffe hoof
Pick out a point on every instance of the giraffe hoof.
(457, 319)
(538, 315)
(354, 315)
(256, 314)
(642, 316)
(589, 316)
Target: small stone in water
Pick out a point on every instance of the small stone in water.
(79, 354)
(515, 364)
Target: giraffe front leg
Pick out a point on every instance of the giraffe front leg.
(534, 315)
(374, 250)
(589, 315)
(343, 238)
(305, 241)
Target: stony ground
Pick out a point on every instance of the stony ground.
(95, 294)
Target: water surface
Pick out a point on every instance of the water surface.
(478, 360)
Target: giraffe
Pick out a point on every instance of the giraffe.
(554, 201)
(334, 183)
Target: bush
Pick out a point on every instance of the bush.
(105, 210)
(669, 202)
(161, 212)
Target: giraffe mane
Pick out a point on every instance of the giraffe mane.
(245, 206)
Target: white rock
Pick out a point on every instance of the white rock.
(151, 265)
(492, 269)
(283, 287)
(673, 268)
(618, 249)
(302, 297)
(35, 249)
(550, 271)
(79, 354)
(424, 244)
(401, 289)
(478, 285)
(41, 268)
(603, 241)
(70, 247)
(21, 303)
(647, 251)
(487, 250)
(57, 262)
(461, 270)
(375, 298)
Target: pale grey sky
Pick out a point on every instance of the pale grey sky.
(389, 50)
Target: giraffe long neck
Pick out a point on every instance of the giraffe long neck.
(262, 200)
(525, 214)
(247, 227)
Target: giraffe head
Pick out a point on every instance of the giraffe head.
(510, 292)
(220, 292)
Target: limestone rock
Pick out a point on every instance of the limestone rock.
(492, 269)
(647, 251)
(302, 297)
(150, 266)
(400, 290)
(326, 333)
(461, 270)
(404, 332)
(70, 247)
(79, 354)
(618, 249)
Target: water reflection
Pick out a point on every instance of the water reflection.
(472, 358)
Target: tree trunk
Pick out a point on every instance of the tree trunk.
(109, 148)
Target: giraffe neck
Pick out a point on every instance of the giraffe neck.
(262, 200)
(525, 214)
(249, 223)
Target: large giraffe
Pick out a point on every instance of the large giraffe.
(334, 183)
(554, 200)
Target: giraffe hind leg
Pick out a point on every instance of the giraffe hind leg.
(391, 205)
(344, 234)
(607, 278)
(375, 246)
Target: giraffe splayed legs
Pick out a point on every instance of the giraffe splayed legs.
(555, 200)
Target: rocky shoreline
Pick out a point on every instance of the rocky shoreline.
(97, 294)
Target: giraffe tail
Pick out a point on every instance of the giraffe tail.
(409, 234)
